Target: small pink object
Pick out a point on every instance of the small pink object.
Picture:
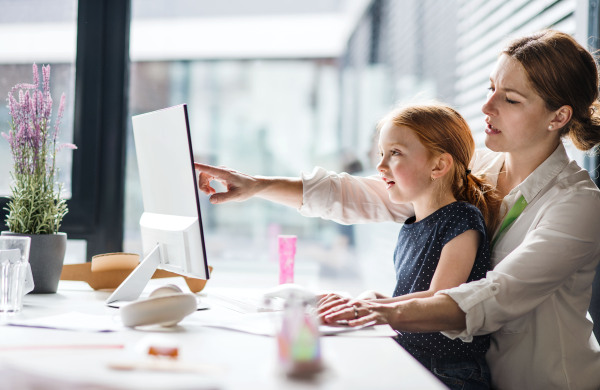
(287, 252)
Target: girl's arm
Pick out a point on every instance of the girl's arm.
(455, 265)
(431, 314)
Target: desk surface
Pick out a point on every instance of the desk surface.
(60, 359)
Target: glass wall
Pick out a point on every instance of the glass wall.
(263, 117)
(275, 115)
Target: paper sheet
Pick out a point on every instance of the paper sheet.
(266, 324)
(73, 321)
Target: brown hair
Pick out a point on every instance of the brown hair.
(563, 73)
(441, 129)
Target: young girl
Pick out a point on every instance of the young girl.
(425, 151)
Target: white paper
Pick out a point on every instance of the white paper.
(73, 321)
(267, 324)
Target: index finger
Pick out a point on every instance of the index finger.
(330, 303)
(211, 170)
(323, 298)
(342, 312)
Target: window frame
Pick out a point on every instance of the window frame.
(592, 162)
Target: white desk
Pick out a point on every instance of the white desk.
(30, 357)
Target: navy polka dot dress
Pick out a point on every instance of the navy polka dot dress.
(415, 259)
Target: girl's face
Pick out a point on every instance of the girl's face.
(516, 116)
(405, 164)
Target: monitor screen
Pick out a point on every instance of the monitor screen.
(171, 224)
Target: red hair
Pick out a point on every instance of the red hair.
(441, 129)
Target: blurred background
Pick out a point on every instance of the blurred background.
(273, 87)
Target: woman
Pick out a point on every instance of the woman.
(534, 302)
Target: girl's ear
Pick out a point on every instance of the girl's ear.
(442, 165)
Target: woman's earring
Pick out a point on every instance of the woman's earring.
(550, 127)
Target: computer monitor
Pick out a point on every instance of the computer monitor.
(171, 225)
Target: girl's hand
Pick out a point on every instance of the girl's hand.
(327, 301)
(356, 312)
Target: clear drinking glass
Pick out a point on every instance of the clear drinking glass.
(14, 260)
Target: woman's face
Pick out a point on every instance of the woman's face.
(405, 164)
(516, 116)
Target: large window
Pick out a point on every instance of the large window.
(264, 97)
(274, 87)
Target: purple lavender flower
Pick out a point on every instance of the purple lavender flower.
(35, 206)
(61, 111)
(36, 75)
(48, 98)
(45, 76)
(33, 145)
(66, 145)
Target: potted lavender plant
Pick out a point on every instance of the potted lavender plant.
(35, 206)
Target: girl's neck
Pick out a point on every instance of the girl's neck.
(426, 207)
(518, 166)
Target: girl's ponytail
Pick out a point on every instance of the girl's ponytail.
(477, 190)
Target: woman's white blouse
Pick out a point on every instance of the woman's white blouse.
(536, 298)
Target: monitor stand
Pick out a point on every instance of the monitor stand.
(134, 284)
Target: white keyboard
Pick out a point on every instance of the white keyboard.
(248, 304)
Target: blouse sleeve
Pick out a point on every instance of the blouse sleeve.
(564, 241)
(349, 199)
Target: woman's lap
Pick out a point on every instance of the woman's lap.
(467, 374)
